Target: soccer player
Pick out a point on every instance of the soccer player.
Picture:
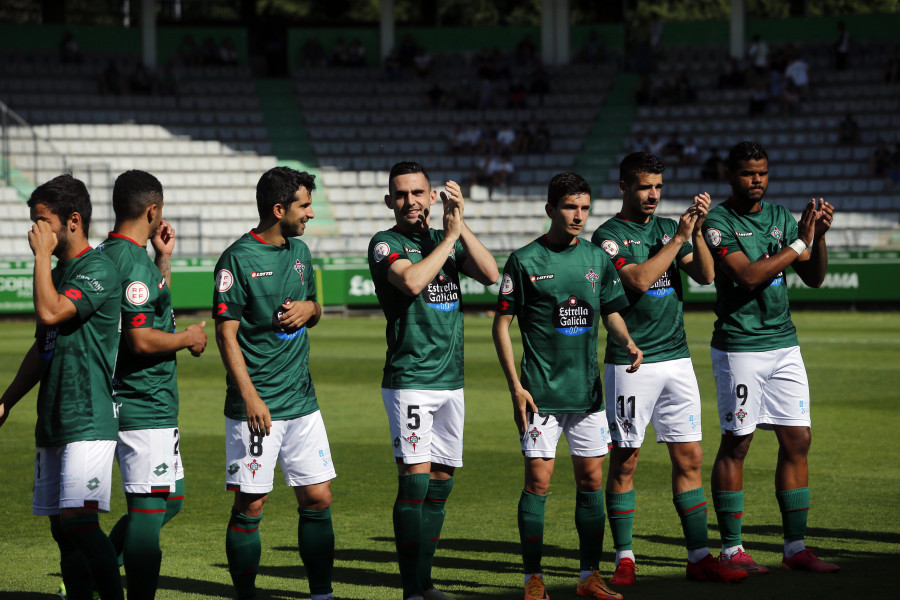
(264, 302)
(760, 377)
(77, 306)
(148, 448)
(560, 287)
(647, 251)
(416, 273)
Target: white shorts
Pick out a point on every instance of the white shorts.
(664, 394)
(761, 389)
(149, 460)
(586, 433)
(75, 475)
(299, 445)
(426, 425)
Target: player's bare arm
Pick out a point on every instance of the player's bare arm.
(699, 264)
(812, 265)
(305, 313)
(411, 278)
(522, 401)
(640, 277)
(164, 244)
(258, 418)
(28, 376)
(50, 307)
(617, 328)
(152, 342)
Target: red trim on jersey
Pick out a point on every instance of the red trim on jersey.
(232, 488)
(123, 237)
(147, 510)
(684, 512)
(241, 529)
(259, 239)
(160, 490)
(83, 252)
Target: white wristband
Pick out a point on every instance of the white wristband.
(798, 246)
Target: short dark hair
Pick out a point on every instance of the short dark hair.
(566, 184)
(133, 193)
(639, 162)
(64, 195)
(745, 151)
(406, 167)
(279, 185)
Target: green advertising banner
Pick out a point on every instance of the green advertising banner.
(853, 276)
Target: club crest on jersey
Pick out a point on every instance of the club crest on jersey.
(713, 236)
(414, 439)
(776, 233)
(666, 239)
(610, 247)
(741, 415)
(593, 278)
(573, 317)
(380, 251)
(300, 268)
(224, 280)
(506, 286)
(627, 426)
(137, 293)
(534, 434)
(254, 467)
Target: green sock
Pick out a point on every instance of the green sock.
(691, 508)
(620, 508)
(590, 520)
(432, 522)
(794, 505)
(729, 512)
(411, 492)
(84, 531)
(315, 537)
(531, 530)
(243, 548)
(141, 552)
(117, 537)
(175, 501)
(75, 572)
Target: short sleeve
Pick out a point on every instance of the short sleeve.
(91, 285)
(618, 253)
(510, 295)
(230, 293)
(612, 295)
(719, 238)
(385, 250)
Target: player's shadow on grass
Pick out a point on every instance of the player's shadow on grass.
(824, 532)
(23, 595)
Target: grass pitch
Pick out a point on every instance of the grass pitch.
(852, 361)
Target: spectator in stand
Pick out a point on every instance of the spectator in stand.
(340, 54)
(673, 151)
(791, 96)
(539, 83)
(848, 130)
(357, 54)
(593, 52)
(758, 53)
(759, 97)
(313, 53)
(524, 139)
(422, 62)
(713, 168)
(655, 145)
(210, 54)
(470, 138)
(525, 51)
(486, 94)
(639, 143)
(436, 95)
(797, 72)
(682, 91)
(227, 53)
(393, 67)
(646, 92)
(892, 71)
(69, 52)
(407, 51)
(689, 153)
(111, 79)
(502, 172)
(505, 139)
(188, 52)
(141, 81)
(881, 161)
(733, 77)
(516, 95)
(541, 140)
(841, 47)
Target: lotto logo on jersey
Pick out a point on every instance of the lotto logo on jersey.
(573, 317)
(380, 251)
(506, 286)
(224, 280)
(610, 247)
(713, 236)
(73, 294)
(138, 320)
(137, 293)
(256, 274)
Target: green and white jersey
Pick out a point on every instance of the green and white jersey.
(253, 280)
(558, 295)
(655, 318)
(145, 385)
(425, 332)
(76, 401)
(751, 320)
